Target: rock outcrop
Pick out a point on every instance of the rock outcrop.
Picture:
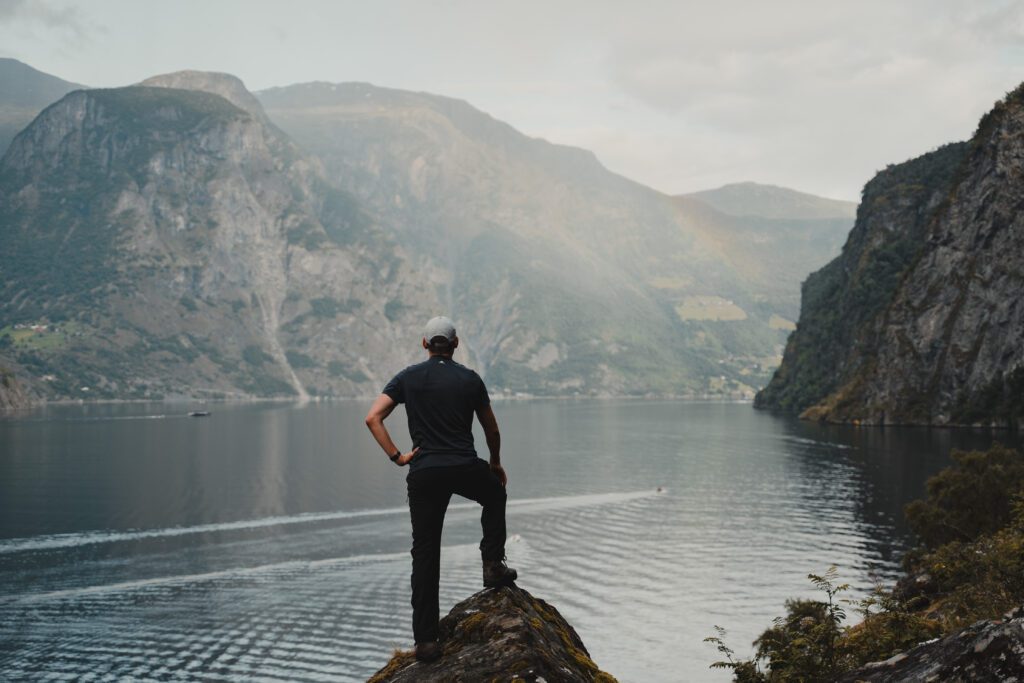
(500, 634)
(984, 651)
(921, 320)
(13, 395)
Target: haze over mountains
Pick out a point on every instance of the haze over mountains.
(187, 237)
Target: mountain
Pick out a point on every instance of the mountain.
(773, 235)
(163, 242)
(919, 320)
(569, 278)
(24, 92)
(185, 237)
(773, 202)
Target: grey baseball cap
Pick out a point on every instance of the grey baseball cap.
(439, 327)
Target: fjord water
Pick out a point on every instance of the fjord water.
(270, 541)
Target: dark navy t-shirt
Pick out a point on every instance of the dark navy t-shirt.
(440, 398)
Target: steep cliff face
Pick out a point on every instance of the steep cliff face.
(940, 339)
(165, 241)
(840, 301)
(501, 634)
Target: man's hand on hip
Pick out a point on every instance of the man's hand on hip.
(406, 458)
(500, 472)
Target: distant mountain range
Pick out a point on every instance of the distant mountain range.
(920, 320)
(187, 237)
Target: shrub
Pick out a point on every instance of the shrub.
(254, 355)
(971, 498)
(971, 526)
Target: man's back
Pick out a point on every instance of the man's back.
(440, 397)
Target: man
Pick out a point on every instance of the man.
(440, 398)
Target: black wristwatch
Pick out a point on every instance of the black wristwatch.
(394, 457)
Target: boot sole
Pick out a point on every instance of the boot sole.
(501, 583)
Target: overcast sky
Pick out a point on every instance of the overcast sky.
(679, 95)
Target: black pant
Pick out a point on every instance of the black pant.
(430, 490)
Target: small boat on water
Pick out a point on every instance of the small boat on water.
(199, 413)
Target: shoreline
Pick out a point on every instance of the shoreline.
(499, 398)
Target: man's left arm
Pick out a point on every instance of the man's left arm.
(490, 426)
(379, 411)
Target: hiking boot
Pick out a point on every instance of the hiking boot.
(429, 651)
(497, 573)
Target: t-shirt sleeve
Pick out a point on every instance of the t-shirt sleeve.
(396, 388)
(482, 399)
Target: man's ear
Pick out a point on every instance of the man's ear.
(425, 344)
(455, 343)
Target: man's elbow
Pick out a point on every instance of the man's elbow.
(372, 420)
(492, 434)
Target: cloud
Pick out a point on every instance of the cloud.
(41, 14)
(829, 91)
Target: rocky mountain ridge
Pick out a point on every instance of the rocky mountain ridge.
(165, 244)
(919, 320)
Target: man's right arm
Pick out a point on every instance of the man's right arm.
(379, 411)
(490, 426)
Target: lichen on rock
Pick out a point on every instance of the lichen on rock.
(500, 634)
(984, 651)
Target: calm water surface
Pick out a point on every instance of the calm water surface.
(271, 541)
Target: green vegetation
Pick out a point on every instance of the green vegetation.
(393, 309)
(339, 369)
(146, 110)
(969, 567)
(40, 336)
(254, 355)
(266, 385)
(1002, 401)
(298, 360)
(342, 218)
(308, 234)
(326, 307)
(973, 498)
